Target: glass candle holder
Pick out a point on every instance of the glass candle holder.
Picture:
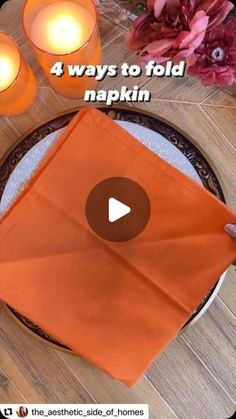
(64, 31)
(17, 82)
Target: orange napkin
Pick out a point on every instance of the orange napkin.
(116, 304)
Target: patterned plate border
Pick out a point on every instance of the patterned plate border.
(190, 151)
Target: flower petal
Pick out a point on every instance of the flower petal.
(140, 20)
(134, 38)
(220, 14)
(159, 59)
(157, 47)
(193, 70)
(183, 54)
(216, 35)
(158, 6)
(193, 38)
(150, 4)
(225, 79)
(132, 41)
(190, 60)
(173, 7)
(210, 6)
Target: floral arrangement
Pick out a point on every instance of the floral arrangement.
(200, 32)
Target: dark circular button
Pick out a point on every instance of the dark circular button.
(118, 209)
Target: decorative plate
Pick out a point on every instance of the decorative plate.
(164, 140)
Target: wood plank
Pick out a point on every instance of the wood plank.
(214, 343)
(8, 135)
(187, 386)
(232, 89)
(182, 89)
(46, 106)
(109, 31)
(13, 382)
(12, 26)
(106, 390)
(8, 390)
(125, 24)
(224, 119)
(41, 365)
(222, 98)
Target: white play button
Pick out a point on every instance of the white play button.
(117, 210)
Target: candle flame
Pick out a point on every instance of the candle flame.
(62, 27)
(65, 30)
(7, 72)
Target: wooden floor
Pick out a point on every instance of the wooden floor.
(195, 377)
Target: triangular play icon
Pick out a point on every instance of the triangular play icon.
(117, 210)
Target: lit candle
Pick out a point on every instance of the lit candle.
(66, 27)
(9, 65)
(17, 82)
(64, 31)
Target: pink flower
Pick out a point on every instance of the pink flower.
(173, 29)
(215, 58)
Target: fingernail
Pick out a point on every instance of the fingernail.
(231, 229)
